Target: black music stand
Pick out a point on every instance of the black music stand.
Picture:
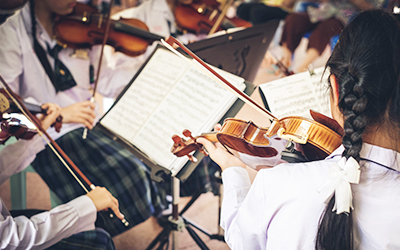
(252, 44)
(240, 53)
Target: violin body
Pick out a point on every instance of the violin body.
(261, 147)
(246, 137)
(13, 127)
(317, 140)
(200, 16)
(86, 27)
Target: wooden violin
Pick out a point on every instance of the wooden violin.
(86, 27)
(7, 105)
(315, 140)
(201, 15)
(318, 137)
(13, 127)
(63, 157)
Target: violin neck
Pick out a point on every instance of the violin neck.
(212, 136)
(131, 30)
(33, 108)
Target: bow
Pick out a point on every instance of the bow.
(341, 174)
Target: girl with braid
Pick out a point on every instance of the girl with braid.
(351, 199)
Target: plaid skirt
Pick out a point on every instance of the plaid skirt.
(106, 163)
(97, 239)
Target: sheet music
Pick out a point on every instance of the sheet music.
(297, 94)
(168, 96)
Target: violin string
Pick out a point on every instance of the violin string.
(243, 96)
(42, 135)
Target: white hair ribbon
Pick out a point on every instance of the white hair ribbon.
(341, 174)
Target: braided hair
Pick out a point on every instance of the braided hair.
(366, 64)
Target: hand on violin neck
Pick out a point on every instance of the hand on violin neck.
(220, 155)
(81, 112)
(103, 200)
(52, 113)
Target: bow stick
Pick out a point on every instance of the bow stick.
(61, 155)
(211, 72)
(85, 131)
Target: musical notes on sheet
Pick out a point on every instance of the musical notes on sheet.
(167, 96)
(297, 94)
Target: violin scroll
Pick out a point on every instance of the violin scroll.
(184, 147)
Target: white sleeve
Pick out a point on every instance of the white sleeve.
(17, 156)
(45, 229)
(242, 212)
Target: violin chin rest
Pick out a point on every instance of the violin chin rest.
(293, 156)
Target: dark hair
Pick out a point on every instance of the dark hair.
(366, 63)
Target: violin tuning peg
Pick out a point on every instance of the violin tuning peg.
(203, 151)
(177, 139)
(187, 133)
(192, 158)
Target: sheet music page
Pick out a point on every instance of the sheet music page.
(297, 94)
(168, 96)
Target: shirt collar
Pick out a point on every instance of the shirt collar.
(382, 156)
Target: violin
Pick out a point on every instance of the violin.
(309, 138)
(200, 16)
(66, 161)
(13, 127)
(285, 70)
(7, 105)
(86, 27)
(318, 137)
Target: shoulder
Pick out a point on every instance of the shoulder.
(295, 181)
(13, 29)
(292, 203)
(298, 172)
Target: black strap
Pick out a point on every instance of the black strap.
(61, 77)
(41, 54)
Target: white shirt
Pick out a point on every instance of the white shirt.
(22, 70)
(45, 229)
(160, 20)
(282, 208)
(17, 156)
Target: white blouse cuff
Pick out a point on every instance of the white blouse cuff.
(87, 212)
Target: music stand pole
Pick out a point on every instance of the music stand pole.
(175, 213)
